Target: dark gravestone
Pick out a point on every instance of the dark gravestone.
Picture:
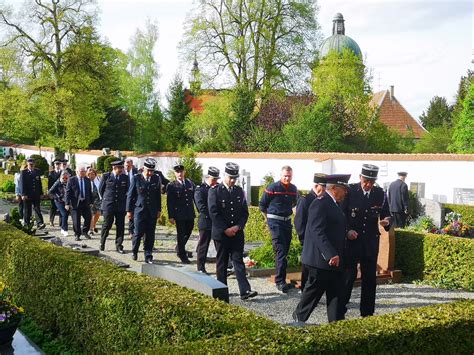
(189, 278)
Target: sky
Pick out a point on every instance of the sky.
(420, 47)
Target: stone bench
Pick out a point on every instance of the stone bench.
(189, 278)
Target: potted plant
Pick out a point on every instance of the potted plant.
(10, 317)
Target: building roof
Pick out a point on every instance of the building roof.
(339, 41)
(394, 115)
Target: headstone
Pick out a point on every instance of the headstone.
(463, 196)
(434, 210)
(246, 186)
(105, 151)
(189, 278)
(418, 188)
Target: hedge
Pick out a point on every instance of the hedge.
(466, 211)
(444, 261)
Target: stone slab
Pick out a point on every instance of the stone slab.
(434, 210)
(21, 345)
(187, 277)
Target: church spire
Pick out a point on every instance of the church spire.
(195, 82)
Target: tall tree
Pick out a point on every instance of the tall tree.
(463, 133)
(263, 44)
(437, 114)
(176, 114)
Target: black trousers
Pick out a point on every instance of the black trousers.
(281, 240)
(131, 226)
(28, 206)
(82, 210)
(184, 229)
(399, 219)
(145, 225)
(203, 247)
(368, 270)
(109, 217)
(20, 207)
(319, 282)
(304, 275)
(52, 211)
(233, 248)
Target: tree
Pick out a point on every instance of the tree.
(463, 133)
(242, 106)
(256, 44)
(436, 140)
(176, 114)
(437, 114)
(463, 91)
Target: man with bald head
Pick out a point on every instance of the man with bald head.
(79, 201)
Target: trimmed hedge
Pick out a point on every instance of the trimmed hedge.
(466, 211)
(443, 261)
(96, 307)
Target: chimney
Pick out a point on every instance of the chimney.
(392, 95)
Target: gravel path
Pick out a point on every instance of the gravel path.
(271, 303)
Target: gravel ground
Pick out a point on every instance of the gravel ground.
(270, 303)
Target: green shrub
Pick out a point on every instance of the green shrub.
(41, 163)
(443, 261)
(422, 224)
(107, 161)
(267, 180)
(100, 163)
(6, 178)
(466, 211)
(8, 186)
(192, 167)
(265, 256)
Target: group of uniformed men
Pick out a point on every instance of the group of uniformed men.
(337, 223)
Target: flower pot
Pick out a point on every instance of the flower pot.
(6, 335)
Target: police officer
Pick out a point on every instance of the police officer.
(144, 206)
(181, 209)
(113, 188)
(365, 207)
(276, 205)
(130, 171)
(323, 250)
(204, 221)
(301, 215)
(65, 166)
(53, 176)
(398, 200)
(31, 191)
(229, 213)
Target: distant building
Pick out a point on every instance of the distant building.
(339, 41)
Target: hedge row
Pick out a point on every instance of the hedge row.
(444, 261)
(466, 211)
(97, 307)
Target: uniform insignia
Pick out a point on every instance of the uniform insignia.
(320, 197)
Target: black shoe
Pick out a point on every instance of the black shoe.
(87, 236)
(120, 250)
(189, 254)
(134, 256)
(283, 287)
(77, 238)
(149, 260)
(230, 271)
(96, 230)
(41, 226)
(203, 270)
(102, 248)
(185, 261)
(248, 294)
(297, 322)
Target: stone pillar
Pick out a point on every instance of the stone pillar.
(386, 258)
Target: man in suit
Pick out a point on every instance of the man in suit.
(323, 250)
(229, 213)
(31, 191)
(144, 206)
(53, 176)
(398, 200)
(79, 202)
(181, 209)
(365, 207)
(276, 205)
(204, 221)
(301, 215)
(113, 188)
(130, 171)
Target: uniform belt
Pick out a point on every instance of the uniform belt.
(280, 218)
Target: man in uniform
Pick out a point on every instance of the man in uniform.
(229, 213)
(130, 171)
(323, 250)
(181, 209)
(144, 206)
(366, 207)
(113, 188)
(276, 205)
(31, 191)
(79, 200)
(301, 215)
(204, 221)
(65, 166)
(53, 176)
(398, 200)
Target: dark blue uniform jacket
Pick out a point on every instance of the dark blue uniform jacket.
(143, 196)
(278, 199)
(200, 198)
(114, 192)
(180, 200)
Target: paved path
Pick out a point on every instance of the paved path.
(271, 303)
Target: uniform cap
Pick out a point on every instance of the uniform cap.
(402, 173)
(150, 163)
(64, 161)
(338, 179)
(232, 169)
(369, 171)
(30, 160)
(213, 172)
(57, 161)
(320, 179)
(117, 163)
(178, 167)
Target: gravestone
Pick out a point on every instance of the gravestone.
(246, 186)
(434, 210)
(463, 196)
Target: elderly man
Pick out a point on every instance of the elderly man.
(113, 188)
(144, 206)
(31, 191)
(53, 176)
(301, 215)
(323, 250)
(365, 207)
(79, 201)
(398, 200)
(229, 213)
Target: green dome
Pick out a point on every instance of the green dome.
(338, 41)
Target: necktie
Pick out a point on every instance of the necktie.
(366, 195)
(82, 188)
(148, 179)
